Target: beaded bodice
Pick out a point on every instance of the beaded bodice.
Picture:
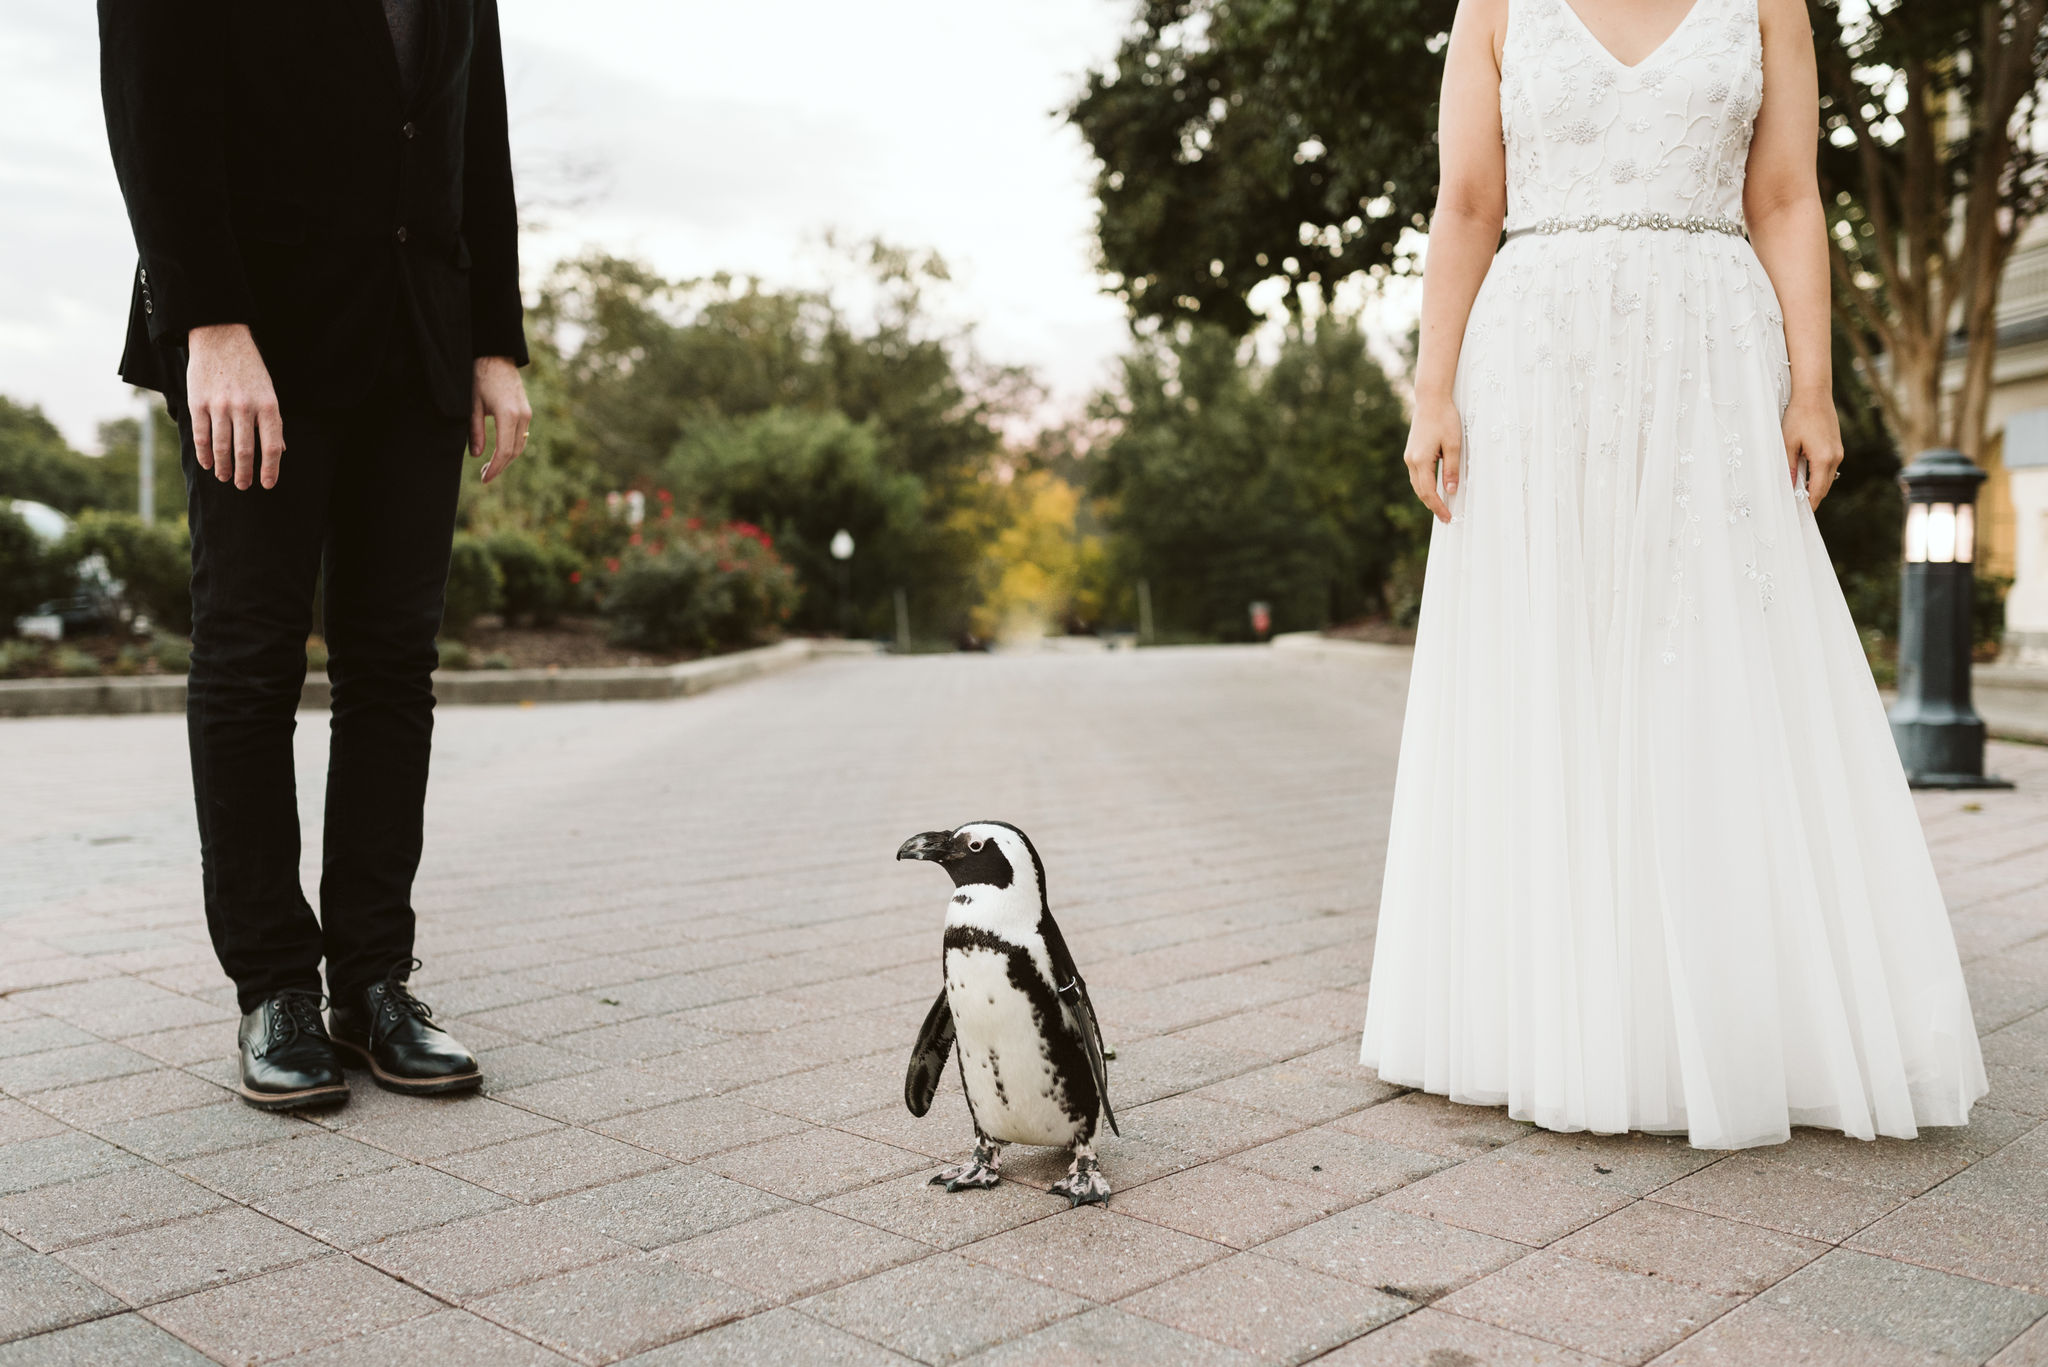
(1587, 136)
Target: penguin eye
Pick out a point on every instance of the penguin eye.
(974, 845)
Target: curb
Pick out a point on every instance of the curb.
(452, 688)
(2012, 699)
(1335, 647)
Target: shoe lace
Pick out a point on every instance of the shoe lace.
(398, 996)
(297, 1013)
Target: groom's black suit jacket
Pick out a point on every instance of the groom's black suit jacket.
(279, 173)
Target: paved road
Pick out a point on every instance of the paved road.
(676, 934)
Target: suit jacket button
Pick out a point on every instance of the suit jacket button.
(401, 234)
(411, 130)
(147, 306)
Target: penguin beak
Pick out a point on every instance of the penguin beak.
(936, 846)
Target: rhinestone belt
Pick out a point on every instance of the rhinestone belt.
(1681, 223)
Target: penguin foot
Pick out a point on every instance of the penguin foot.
(1084, 1184)
(978, 1173)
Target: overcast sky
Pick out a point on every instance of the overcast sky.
(700, 136)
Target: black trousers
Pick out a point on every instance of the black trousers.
(364, 509)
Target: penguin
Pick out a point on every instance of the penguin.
(1013, 1011)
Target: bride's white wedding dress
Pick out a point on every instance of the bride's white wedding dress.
(1653, 863)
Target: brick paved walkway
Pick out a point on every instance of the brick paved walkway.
(676, 934)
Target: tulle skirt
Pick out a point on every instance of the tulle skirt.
(1653, 862)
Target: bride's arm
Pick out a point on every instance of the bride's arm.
(1471, 203)
(1781, 202)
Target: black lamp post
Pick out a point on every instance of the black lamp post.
(1939, 734)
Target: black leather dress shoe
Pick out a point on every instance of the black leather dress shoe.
(287, 1059)
(388, 1030)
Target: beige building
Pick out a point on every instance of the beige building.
(2012, 516)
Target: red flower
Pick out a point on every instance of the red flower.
(575, 576)
(633, 540)
(667, 513)
(664, 495)
(612, 563)
(695, 524)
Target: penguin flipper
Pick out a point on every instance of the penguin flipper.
(928, 1057)
(1074, 993)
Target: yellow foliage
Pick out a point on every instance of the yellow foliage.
(1039, 569)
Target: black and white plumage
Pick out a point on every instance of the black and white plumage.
(1013, 1011)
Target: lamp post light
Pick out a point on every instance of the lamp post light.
(1939, 734)
(842, 551)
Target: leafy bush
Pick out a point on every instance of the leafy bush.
(19, 659)
(151, 561)
(473, 585)
(452, 655)
(28, 573)
(37, 463)
(539, 579)
(699, 590)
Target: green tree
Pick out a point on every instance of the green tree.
(1935, 162)
(801, 477)
(1242, 141)
(121, 456)
(37, 463)
(1228, 482)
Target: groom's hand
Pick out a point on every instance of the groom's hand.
(500, 395)
(236, 430)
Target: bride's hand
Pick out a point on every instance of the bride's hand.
(1435, 435)
(1813, 433)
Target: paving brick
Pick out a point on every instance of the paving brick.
(521, 1065)
(112, 1203)
(911, 1206)
(834, 1092)
(1300, 1092)
(1227, 1204)
(2028, 1350)
(601, 1094)
(552, 1163)
(1781, 1196)
(486, 1253)
(1430, 1124)
(19, 1122)
(111, 1007)
(795, 1252)
(1431, 1338)
(203, 1130)
(1340, 1163)
(1273, 1310)
(814, 1163)
(62, 1157)
(35, 1035)
(1636, 1164)
(1705, 1251)
(942, 1308)
(451, 1338)
(1916, 1307)
(1507, 1199)
(188, 1255)
(283, 1165)
(95, 1104)
(302, 1307)
(1093, 1252)
(1621, 1316)
(665, 1207)
(618, 1308)
(361, 1210)
(690, 1130)
(774, 1336)
(25, 1074)
(1109, 1337)
(1409, 1256)
(116, 1341)
(1756, 1333)
(38, 1294)
(430, 1128)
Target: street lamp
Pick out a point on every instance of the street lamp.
(842, 551)
(1939, 734)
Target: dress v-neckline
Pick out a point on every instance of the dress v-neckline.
(1645, 59)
